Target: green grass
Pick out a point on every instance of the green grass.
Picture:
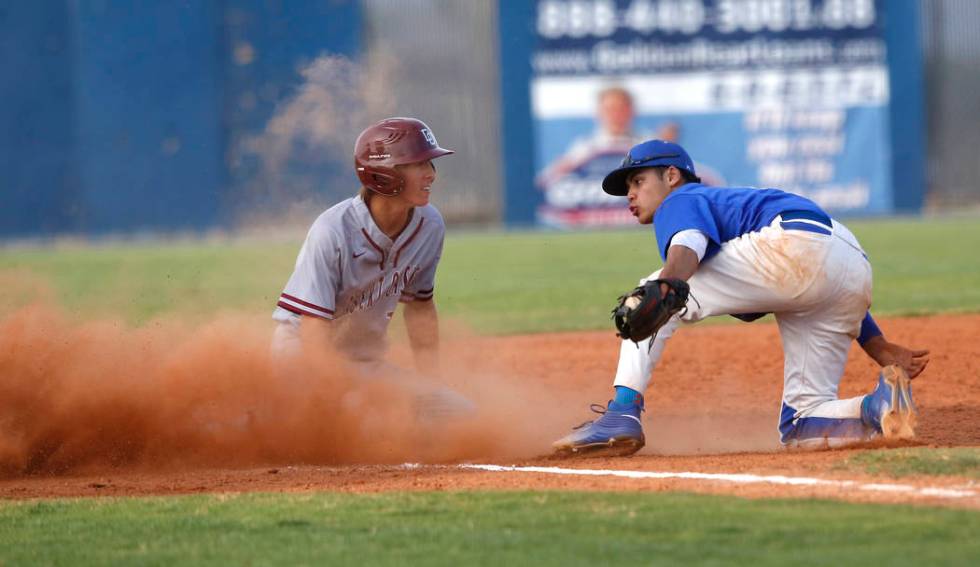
(497, 283)
(912, 259)
(539, 282)
(141, 281)
(481, 528)
(955, 461)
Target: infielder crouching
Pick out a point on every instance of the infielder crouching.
(366, 254)
(747, 252)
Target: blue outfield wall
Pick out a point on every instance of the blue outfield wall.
(906, 76)
(118, 116)
(148, 137)
(517, 23)
(38, 183)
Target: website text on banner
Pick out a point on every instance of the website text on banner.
(777, 93)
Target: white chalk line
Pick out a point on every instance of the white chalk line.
(733, 478)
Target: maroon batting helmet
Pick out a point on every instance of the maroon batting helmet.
(391, 142)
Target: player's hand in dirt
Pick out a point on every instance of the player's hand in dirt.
(886, 353)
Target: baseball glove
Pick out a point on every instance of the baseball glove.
(641, 312)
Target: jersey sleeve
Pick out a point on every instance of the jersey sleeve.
(693, 239)
(685, 212)
(869, 329)
(422, 286)
(312, 288)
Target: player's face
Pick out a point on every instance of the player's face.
(647, 188)
(419, 177)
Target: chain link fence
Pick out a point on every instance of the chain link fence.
(445, 72)
(951, 41)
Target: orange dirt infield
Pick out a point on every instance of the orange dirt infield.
(712, 408)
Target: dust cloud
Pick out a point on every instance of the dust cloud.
(302, 158)
(83, 395)
(705, 432)
(97, 395)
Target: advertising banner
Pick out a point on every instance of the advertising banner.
(791, 94)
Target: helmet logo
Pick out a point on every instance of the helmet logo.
(427, 134)
(377, 150)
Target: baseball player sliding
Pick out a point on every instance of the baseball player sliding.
(366, 254)
(747, 252)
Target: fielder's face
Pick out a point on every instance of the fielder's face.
(419, 177)
(647, 188)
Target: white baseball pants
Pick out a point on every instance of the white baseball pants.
(432, 400)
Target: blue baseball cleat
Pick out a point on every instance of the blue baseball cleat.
(889, 409)
(617, 433)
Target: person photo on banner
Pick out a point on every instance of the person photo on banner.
(670, 131)
(569, 182)
(614, 134)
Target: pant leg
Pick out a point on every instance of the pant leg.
(431, 400)
(813, 363)
(636, 360)
(816, 342)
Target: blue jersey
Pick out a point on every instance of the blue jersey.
(722, 213)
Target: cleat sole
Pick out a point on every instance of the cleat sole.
(614, 447)
(900, 420)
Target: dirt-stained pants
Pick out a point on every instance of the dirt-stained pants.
(819, 288)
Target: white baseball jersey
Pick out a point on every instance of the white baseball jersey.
(350, 271)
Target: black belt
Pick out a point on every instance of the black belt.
(787, 219)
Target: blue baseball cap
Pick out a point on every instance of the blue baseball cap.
(652, 153)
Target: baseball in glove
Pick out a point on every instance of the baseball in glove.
(641, 312)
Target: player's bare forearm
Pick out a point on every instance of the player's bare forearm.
(886, 353)
(681, 263)
(422, 324)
